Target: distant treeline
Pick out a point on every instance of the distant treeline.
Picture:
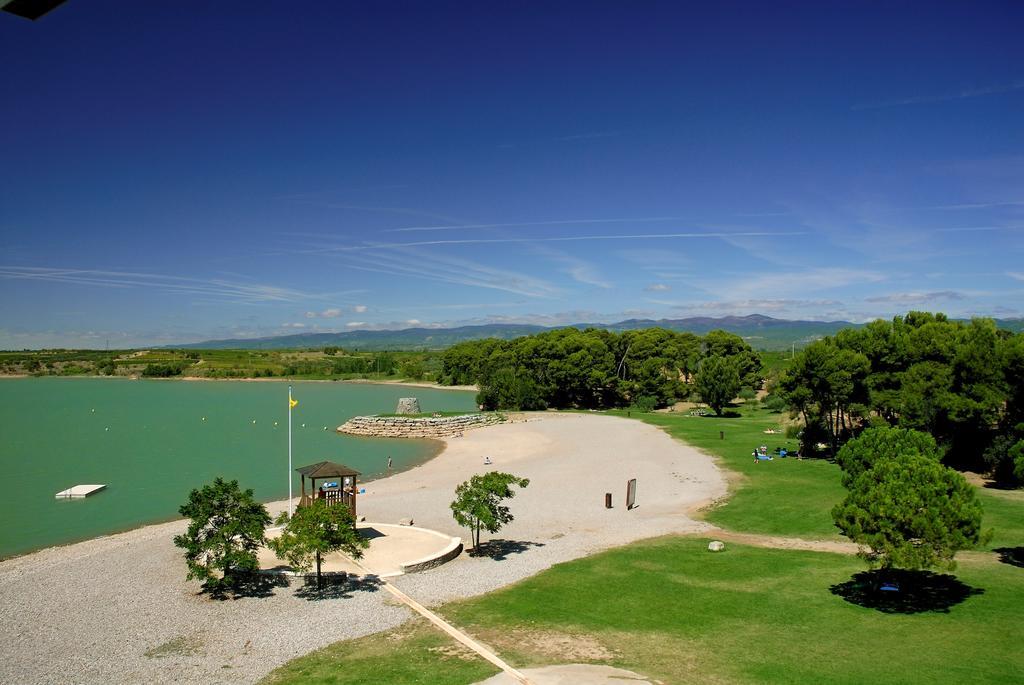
(330, 362)
(594, 368)
(962, 383)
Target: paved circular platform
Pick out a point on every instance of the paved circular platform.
(393, 550)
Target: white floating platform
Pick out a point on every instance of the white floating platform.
(79, 491)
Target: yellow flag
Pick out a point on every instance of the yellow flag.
(292, 403)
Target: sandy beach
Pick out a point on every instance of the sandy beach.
(117, 608)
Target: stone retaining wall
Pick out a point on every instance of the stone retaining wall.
(453, 550)
(409, 427)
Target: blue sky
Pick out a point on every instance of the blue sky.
(176, 172)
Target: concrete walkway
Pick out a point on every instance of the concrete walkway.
(574, 674)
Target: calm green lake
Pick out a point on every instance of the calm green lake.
(148, 442)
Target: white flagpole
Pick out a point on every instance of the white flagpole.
(289, 451)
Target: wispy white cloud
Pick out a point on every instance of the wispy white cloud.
(658, 288)
(370, 246)
(781, 285)
(587, 274)
(293, 325)
(961, 94)
(411, 211)
(973, 229)
(577, 268)
(355, 324)
(359, 308)
(1016, 275)
(449, 269)
(975, 205)
(916, 298)
(330, 313)
(558, 222)
(234, 291)
(413, 322)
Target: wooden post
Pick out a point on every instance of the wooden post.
(607, 500)
(721, 435)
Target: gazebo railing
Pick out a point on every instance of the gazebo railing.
(331, 496)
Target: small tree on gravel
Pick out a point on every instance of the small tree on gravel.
(225, 530)
(315, 530)
(478, 502)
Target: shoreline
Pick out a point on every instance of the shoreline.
(436, 449)
(278, 379)
(139, 604)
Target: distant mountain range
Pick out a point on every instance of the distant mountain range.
(762, 332)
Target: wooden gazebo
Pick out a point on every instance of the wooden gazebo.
(340, 486)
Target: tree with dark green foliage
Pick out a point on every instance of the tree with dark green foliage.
(720, 343)
(510, 389)
(903, 507)
(478, 502)
(1001, 457)
(226, 528)
(644, 403)
(593, 368)
(718, 382)
(385, 363)
(413, 369)
(314, 530)
(825, 385)
(960, 382)
(1017, 455)
(861, 453)
(164, 370)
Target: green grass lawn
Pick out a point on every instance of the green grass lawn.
(793, 497)
(669, 609)
(413, 654)
(789, 497)
(1004, 513)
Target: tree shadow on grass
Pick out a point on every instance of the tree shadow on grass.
(336, 586)
(993, 484)
(499, 549)
(1014, 556)
(918, 591)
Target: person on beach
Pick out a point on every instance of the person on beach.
(487, 460)
(389, 463)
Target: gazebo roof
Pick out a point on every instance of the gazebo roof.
(326, 469)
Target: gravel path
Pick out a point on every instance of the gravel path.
(116, 609)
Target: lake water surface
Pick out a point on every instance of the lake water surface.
(148, 442)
